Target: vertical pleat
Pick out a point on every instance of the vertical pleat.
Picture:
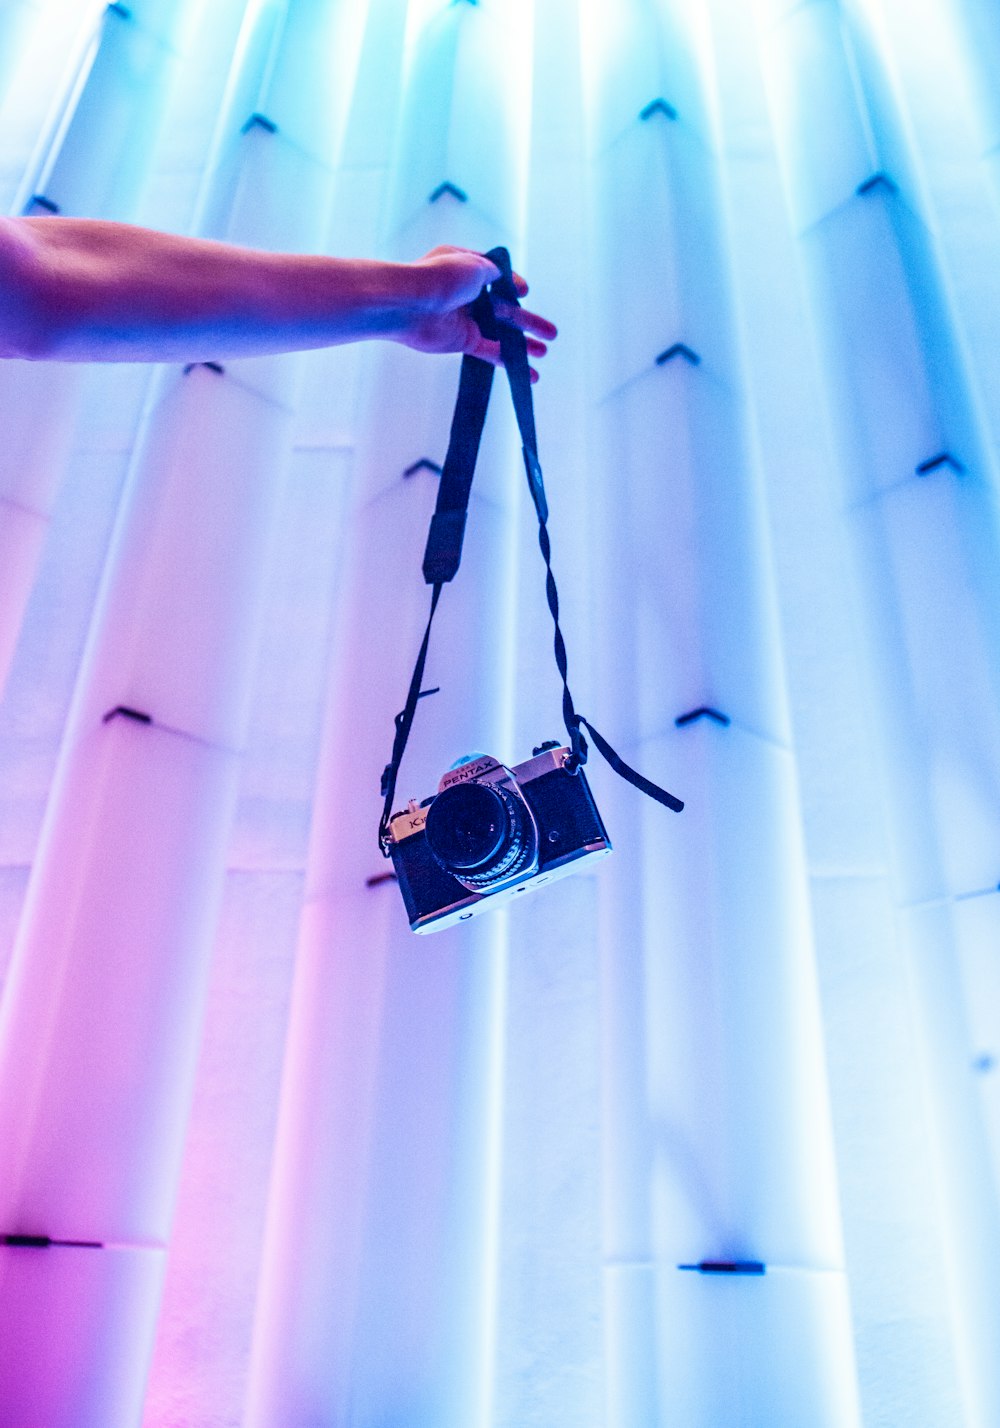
(396, 1211)
(978, 27)
(16, 20)
(718, 1125)
(91, 160)
(922, 528)
(121, 909)
(548, 1327)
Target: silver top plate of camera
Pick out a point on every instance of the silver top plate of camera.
(481, 769)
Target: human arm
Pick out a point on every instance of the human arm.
(88, 290)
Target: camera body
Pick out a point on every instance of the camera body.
(492, 832)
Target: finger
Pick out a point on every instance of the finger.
(534, 322)
(490, 352)
(485, 351)
(520, 286)
(526, 321)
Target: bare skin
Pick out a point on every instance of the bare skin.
(83, 290)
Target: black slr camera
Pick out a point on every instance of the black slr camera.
(492, 832)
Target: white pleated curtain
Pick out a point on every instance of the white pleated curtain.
(266, 1157)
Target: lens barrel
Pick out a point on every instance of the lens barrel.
(481, 833)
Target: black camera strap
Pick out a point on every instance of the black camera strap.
(444, 542)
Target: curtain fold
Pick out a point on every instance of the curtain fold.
(709, 1134)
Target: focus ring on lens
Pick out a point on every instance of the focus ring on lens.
(480, 833)
(520, 840)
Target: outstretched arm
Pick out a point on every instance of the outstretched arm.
(90, 291)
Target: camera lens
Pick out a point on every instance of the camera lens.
(480, 833)
(466, 826)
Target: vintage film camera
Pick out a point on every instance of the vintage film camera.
(492, 832)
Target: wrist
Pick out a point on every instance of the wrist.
(399, 296)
